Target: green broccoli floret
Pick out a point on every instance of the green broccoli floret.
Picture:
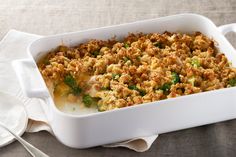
(159, 45)
(192, 80)
(165, 87)
(195, 63)
(115, 76)
(141, 92)
(126, 45)
(89, 101)
(126, 59)
(77, 90)
(132, 87)
(95, 53)
(232, 82)
(71, 82)
(175, 78)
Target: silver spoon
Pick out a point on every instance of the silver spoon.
(35, 152)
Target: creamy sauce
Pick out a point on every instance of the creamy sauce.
(74, 106)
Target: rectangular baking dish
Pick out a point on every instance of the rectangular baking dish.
(83, 131)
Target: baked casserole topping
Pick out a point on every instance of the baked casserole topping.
(139, 69)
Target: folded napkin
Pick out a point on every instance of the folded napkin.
(13, 46)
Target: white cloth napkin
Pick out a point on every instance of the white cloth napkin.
(13, 46)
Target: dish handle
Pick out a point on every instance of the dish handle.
(224, 29)
(30, 78)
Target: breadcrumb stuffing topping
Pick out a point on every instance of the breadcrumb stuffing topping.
(139, 69)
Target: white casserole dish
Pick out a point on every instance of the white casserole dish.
(83, 131)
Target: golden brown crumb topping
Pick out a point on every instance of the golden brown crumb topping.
(141, 68)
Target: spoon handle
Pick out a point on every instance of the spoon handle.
(35, 152)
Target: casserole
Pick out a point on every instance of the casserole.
(83, 131)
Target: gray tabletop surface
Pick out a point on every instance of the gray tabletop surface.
(58, 16)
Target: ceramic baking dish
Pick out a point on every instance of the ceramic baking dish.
(83, 131)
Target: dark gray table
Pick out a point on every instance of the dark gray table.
(216, 140)
(57, 16)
